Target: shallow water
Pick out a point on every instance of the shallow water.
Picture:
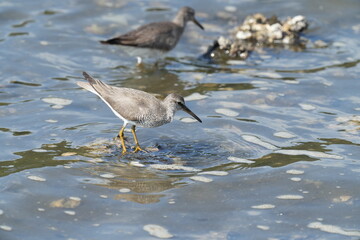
(276, 157)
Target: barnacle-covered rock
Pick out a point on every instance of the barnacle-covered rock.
(257, 31)
(234, 48)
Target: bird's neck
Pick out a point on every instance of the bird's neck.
(170, 111)
(180, 20)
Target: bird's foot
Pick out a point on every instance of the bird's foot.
(138, 148)
(124, 151)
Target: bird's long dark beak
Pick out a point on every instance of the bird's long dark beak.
(197, 23)
(186, 109)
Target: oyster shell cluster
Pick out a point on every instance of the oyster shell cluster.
(264, 30)
(259, 31)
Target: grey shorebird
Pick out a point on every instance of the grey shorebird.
(156, 38)
(136, 107)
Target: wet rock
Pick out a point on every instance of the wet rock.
(234, 48)
(259, 31)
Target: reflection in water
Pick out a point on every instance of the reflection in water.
(23, 24)
(279, 160)
(345, 64)
(153, 79)
(138, 184)
(150, 78)
(15, 34)
(143, 184)
(15, 133)
(30, 84)
(305, 151)
(37, 158)
(138, 198)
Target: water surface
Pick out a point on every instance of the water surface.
(276, 156)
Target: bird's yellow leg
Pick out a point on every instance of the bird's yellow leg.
(121, 136)
(137, 146)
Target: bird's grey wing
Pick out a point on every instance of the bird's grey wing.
(132, 104)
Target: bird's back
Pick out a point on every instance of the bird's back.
(133, 105)
(159, 35)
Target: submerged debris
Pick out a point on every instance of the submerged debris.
(258, 31)
(71, 202)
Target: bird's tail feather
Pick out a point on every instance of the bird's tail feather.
(111, 41)
(86, 86)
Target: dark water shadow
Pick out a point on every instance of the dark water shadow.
(37, 158)
(163, 81)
